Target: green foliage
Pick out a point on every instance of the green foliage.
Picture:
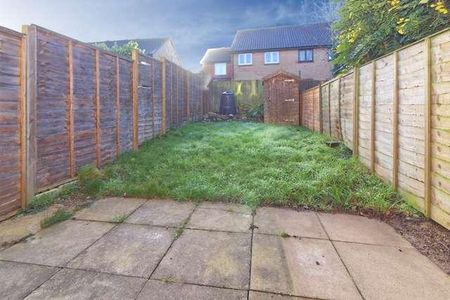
(124, 50)
(90, 179)
(369, 29)
(59, 216)
(251, 163)
(119, 218)
(255, 112)
(41, 201)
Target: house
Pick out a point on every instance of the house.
(302, 50)
(157, 48)
(217, 64)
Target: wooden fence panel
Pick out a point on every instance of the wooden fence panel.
(126, 105)
(307, 111)
(346, 97)
(364, 114)
(52, 134)
(84, 105)
(334, 109)
(325, 102)
(11, 108)
(411, 122)
(145, 103)
(383, 117)
(440, 129)
(157, 96)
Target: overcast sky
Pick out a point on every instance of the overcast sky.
(193, 25)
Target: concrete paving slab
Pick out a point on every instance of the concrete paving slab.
(266, 296)
(306, 267)
(359, 229)
(20, 227)
(132, 250)
(18, 279)
(281, 220)
(220, 259)
(78, 284)
(218, 219)
(393, 273)
(58, 244)
(109, 209)
(231, 207)
(162, 213)
(173, 291)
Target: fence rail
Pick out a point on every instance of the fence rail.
(394, 113)
(65, 104)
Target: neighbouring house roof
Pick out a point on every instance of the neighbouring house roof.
(216, 55)
(298, 36)
(149, 45)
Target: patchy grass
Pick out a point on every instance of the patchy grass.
(42, 201)
(59, 216)
(119, 219)
(250, 163)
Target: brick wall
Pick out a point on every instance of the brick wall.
(320, 69)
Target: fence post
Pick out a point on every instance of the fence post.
(97, 106)
(135, 81)
(117, 105)
(320, 110)
(428, 108)
(356, 112)
(188, 95)
(28, 80)
(152, 76)
(70, 118)
(163, 96)
(340, 135)
(373, 117)
(329, 109)
(395, 124)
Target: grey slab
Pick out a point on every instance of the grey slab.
(306, 267)
(281, 220)
(341, 227)
(393, 273)
(162, 213)
(18, 279)
(220, 259)
(173, 291)
(267, 296)
(231, 207)
(109, 209)
(78, 284)
(58, 244)
(218, 219)
(133, 250)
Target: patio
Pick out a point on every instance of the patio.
(162, 249)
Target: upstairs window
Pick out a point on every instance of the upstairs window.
(305, 55)
(271, 58)
(245, 59)
(220, 69)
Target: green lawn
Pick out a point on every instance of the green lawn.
(250, 163)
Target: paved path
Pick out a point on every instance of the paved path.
(177, 250)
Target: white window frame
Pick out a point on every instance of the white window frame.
(306, 51)
(269, 57)
(245, 59)
(220, 69)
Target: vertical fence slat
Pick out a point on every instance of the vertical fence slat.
(70, 123)
(135, 86)
(427, 124)
(117, 106)
(329, 109)
(373, 117)
(23, 122)
(395, 124)
(97, 107)
(356, 111)
(163, 96)
(340, 134)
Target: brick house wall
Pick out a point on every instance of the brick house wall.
(319, 69)
(208, 69)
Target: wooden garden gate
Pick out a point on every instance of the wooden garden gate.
(281, 104)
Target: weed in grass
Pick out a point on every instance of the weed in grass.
(90, 179)
(119, 219)
(284, 235)
(249, 163)
(59, 216)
